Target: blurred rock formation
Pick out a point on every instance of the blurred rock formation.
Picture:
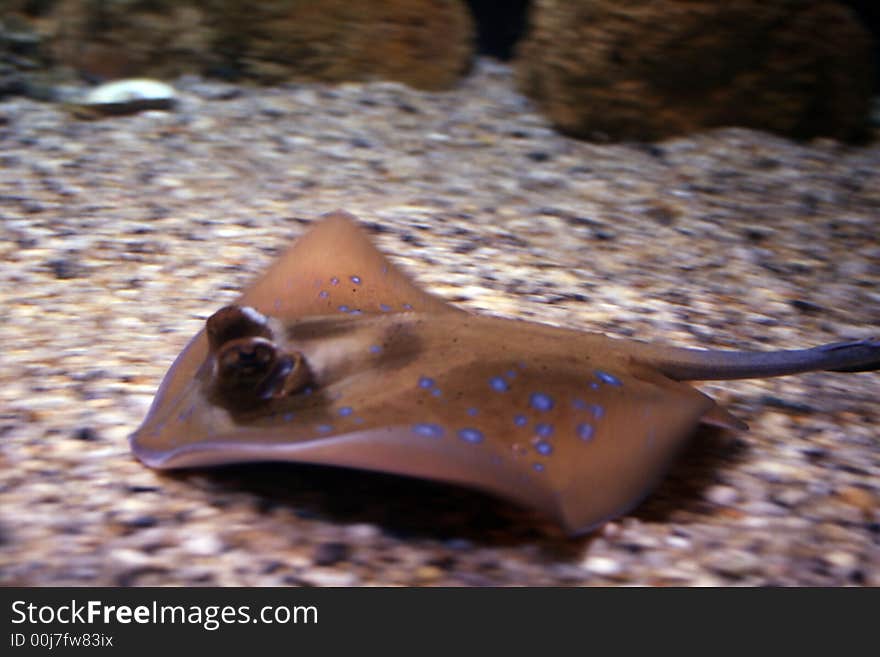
(648, 69)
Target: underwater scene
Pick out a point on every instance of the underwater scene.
(439, 293)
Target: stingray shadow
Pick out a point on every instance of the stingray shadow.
(408, 508)
(402, 507)
(683, 487)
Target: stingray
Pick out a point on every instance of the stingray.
(333, 356)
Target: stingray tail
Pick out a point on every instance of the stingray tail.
(700, 365)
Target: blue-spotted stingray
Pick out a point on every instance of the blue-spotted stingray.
(334, 356)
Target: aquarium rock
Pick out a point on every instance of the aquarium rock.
(647, 70)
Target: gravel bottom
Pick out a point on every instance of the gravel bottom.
(120, 236)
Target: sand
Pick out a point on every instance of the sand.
(120, 236)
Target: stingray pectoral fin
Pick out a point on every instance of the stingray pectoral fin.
(627, 455)
(334, 268)
(717, 416)
(606, 456)
(391, 449)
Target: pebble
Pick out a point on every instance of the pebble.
(65, 268)
(328, 577)
(602, 566)
(427, 574)
(127, 96)
(842, 560)
(328, 554)
(142, 522)
(362, 532)
(722, 495)
(790, 497)
(128, 558)
(203, 545)
(86, 433)
(735, 563)
(860, 498)
(779, 472)
(678, 542)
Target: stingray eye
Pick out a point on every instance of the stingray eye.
(233, 323)
(251, 370)
(290, 375)
(245, 361)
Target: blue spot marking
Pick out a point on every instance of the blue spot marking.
(308, 390)
(406, 306)
(585, 431)
(288, 417)
(436, 392)
(498, 384)
(345, 411)
(473, 411)
(356, 280)
(384, 307)
(520, 420)
(579, 404)
(544, 430)
(605, 377)
(375, 348)
(511, 374)
(358, 420)
(343, 309)
(541, 402)
(428, 430)
(597, 411)
(594, 385)
(426, 382)
(470, 435)
(538, 467)
(356, 311)
(543, 448)
(323, 294)
(334, 281)
(324, 428)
